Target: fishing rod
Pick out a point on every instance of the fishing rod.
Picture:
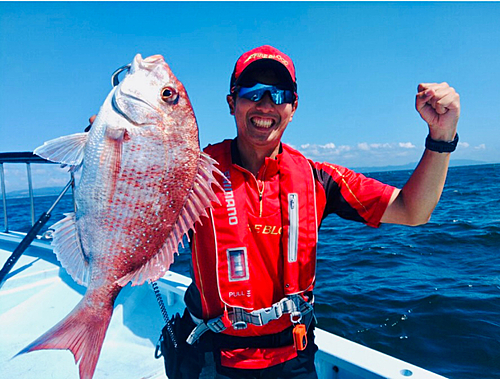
(26, 242)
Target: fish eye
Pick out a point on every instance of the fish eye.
(168, 94)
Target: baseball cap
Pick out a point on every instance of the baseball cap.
(264, 57)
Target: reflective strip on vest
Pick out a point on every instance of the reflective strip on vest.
(293, 233)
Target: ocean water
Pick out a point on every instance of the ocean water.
(429, 295)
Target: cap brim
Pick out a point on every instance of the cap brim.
(254, 73)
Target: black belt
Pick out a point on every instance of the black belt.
(280, 339)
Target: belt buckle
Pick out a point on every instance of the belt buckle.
(266, 314)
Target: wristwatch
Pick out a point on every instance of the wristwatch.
(441, 146)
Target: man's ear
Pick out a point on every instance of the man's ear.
(230, 102)
(294, 108)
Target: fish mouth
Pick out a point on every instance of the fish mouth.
(118, 110)
(132, 108)
(153, 59)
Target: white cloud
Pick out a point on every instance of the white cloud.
(363, 146)
(329, 145)
(406, 145)
(363, 153)
(367, 154)
(380, 145)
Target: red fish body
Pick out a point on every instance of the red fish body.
(144, 183)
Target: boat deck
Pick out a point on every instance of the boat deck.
(39, 293)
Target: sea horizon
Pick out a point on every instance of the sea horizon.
(39, 191)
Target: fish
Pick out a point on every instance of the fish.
(144, 184)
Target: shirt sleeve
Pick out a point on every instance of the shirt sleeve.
(353, 196)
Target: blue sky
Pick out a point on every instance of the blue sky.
(358, 66)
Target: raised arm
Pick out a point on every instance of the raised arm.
(439, 106)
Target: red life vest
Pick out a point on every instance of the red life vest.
(232, 246)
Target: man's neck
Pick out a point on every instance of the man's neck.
(253, 159)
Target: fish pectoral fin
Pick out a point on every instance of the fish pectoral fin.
(119, 134)
(111, 163)
(199, 200)
(69, 250)
(67, 149)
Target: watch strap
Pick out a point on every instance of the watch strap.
(441, 146)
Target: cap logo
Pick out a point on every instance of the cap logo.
(277, 57)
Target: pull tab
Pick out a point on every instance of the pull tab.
(299, 337)
(225, 319)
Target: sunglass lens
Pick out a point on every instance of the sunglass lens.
(255, 93)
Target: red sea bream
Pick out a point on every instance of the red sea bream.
(144, 183)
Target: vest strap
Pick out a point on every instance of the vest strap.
(238, 318)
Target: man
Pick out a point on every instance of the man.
(254, 259)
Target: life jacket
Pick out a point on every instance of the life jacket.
(228, 246)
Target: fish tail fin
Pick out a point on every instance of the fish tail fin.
(79, 333)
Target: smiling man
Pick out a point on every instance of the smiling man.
(261, 80)
(254, 258)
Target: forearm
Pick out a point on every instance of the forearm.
(439, 106)
(414, 204)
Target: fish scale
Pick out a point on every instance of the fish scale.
(144, 184)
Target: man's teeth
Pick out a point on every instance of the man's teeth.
(262, 122)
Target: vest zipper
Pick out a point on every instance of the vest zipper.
(261, 191)
(293, 232)
(261, 195)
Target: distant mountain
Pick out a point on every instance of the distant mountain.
(37, 192)
(411, 166)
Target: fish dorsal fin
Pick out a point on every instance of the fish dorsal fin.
(68, 249)
(67, 149)
(200, 198)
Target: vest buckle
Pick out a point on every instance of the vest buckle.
(240, 325)
(265, 315)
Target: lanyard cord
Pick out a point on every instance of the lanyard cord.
(164, 313)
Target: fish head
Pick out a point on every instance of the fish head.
(150, 96)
